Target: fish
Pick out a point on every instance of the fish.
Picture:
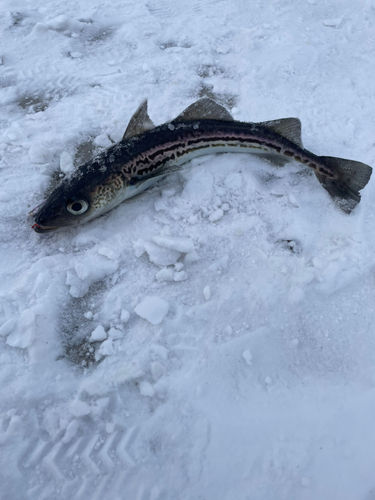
(147, 153)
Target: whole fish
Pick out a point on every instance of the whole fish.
(148, 152)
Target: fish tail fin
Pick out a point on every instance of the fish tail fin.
(350, 178)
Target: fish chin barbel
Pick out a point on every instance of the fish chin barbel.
(148, 153)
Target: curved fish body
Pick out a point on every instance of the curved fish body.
(148, 153)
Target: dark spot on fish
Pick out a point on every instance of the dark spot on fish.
(163, 150)
(288, 153)
(152, 156)
(313, 165)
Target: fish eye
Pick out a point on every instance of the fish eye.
(77, 206)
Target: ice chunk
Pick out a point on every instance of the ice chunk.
(139, 247)
(90, 269)
(217, 215)
(39, 29)
(106, 349)
(125, 315)
(98, 334)
(247, 357)
(71, 431)
(115, 334)
(103, 141)
(61, 22)
(153, 309)
(183, 245)
(191, 257)
(5, 196)
(181, 276)
(66, 163)
(110, 427)
(146, 389)
(8, 326)
(108, 252)
(333, 23)
(207, 292)
(161, 256)
(80, 408)
(165, 274)
(157, 370)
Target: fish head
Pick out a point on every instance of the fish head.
(75, 201)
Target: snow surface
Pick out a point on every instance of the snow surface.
(259, 383)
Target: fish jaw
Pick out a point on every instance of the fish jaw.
(43, 229)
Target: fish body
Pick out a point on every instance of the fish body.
(148, 153)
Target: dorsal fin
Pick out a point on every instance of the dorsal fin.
(204, 109)
(290, 128)
(140, 122)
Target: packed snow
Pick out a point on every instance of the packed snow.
(214, 337)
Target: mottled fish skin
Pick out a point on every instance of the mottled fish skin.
(140, 160)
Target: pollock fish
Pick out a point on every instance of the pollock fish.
(147, 153)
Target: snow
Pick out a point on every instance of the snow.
(146, 389)
(207, 292)
(217, 215)
(98, 334)
(161, 256)
(183, 245)
(233, 303)
(125, 316)
(153, 309)
(106, 348)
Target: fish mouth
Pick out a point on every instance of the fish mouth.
(43, 229)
